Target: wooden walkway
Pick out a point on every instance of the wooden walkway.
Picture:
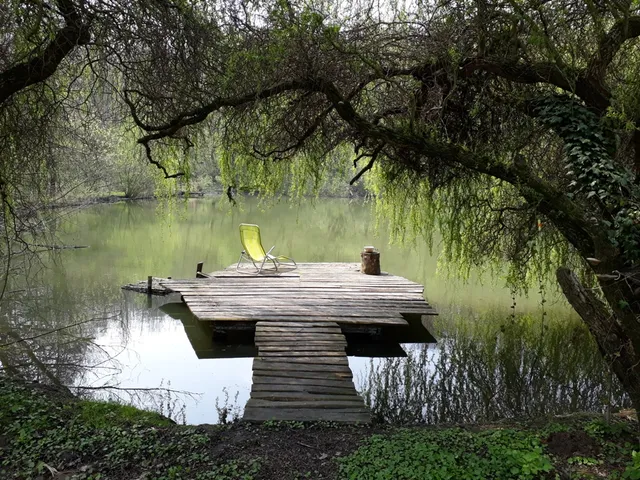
(301, 371)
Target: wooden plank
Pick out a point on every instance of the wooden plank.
(320, 281)
(289, 366)
(325, 309)
(300, 396)
(302, 288)
(240, 314)
(293, 310)
(312, 278)
(342, 320)
(285, 338)
(320, 361)
(292, 331)
(302, 292)
(309, 389)
(293, 336)
(288, 337)
(296, 355)
(269, 335)
(298, 350)
(295, 331)
(343, 415)
(268, 381)
(336, 302)
(296, 342)
(282, 339)
(306, 404)
(345, 295)
(274, 325)
(317, 310)
(300, 374)
(279, 316)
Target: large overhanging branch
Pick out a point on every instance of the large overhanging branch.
(44, 63)
(199, 115)
(519, 72)
(547, 199)
(592, 93)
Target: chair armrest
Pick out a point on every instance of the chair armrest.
(271, 250)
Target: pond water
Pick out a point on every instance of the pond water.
(496, 356)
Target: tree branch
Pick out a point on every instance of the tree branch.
(520, 72)
(623, 30)
(369, 166)
(593, 93)
(45, 63)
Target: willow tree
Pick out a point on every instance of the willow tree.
(58, 105)
(510, 126)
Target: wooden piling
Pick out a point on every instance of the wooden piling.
(149, 284)
(370, 263)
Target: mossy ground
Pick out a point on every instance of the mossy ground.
(48, 435)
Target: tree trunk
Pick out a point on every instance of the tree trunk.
(615, 345)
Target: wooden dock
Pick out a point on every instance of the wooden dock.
(301, 371)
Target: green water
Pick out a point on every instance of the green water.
(488, 364)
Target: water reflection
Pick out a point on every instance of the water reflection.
(490, 366)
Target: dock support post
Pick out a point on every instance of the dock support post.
(199, 270)
(149, 284)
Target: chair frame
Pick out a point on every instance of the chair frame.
(268, 257)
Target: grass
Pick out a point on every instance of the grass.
(44, 434)
(106, 414)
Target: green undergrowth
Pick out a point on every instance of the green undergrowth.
(580, 448)
(45, 434)
(450, 453)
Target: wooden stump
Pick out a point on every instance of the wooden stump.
(370, 263)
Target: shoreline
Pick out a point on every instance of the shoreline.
(48, 433)
(112, 199)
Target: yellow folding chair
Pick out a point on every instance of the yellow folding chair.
(255, 253)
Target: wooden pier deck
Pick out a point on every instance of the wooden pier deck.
(301, 371)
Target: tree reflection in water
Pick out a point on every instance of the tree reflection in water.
(487, 367)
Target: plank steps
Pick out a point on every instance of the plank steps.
(302, 373)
